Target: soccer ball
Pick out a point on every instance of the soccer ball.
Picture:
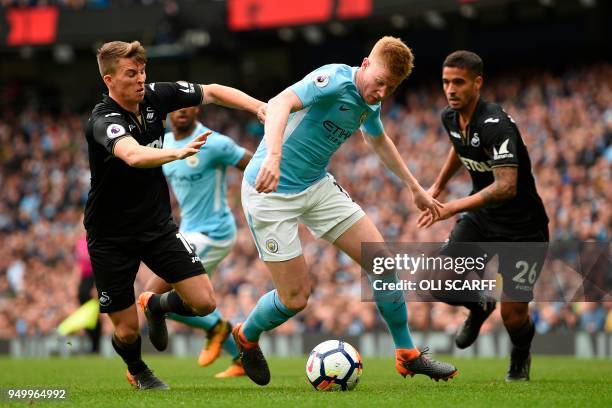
(334, 365)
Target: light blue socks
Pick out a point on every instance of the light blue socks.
(268, 313)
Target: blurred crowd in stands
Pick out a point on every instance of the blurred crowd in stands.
(565, 120)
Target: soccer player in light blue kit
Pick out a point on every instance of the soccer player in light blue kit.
(286, 182)
(207, 223)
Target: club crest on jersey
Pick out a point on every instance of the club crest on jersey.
(192, 161)
(475, 140)
(105, 300)
(321, 80)
(114, 130)
(272, 245)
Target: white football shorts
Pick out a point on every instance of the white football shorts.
(210, 251)
(325, 208)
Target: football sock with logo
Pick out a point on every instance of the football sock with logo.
(202, 322)
(392, 308)
(169, 302)
(268, 313)
(130, 353)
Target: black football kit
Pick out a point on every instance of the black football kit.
(128, 215)
(490, 140)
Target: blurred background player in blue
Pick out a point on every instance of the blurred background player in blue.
(207, 222)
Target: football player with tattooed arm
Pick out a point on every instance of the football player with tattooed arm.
(503, 207)
(127, 215)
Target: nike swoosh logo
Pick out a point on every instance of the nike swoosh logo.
(311, 364)
(344, 108)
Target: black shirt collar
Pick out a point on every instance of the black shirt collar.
(480, 105)
(107, 99)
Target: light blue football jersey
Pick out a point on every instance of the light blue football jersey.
(198, 182)
(332, 111)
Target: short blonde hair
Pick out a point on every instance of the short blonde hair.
(111, 52)
(394, 55)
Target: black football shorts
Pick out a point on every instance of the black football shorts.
(115, 263)
(520, 257)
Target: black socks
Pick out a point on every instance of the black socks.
(169, 302)
(130, 353)
(521, 338)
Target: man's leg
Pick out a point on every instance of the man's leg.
(273, 222)
(126, 342)
(465, 232)
(392, 308)
(115, 271)
(172, 259)
(192, 296)
(521, 330)
(520, 266)
(273, 309)
(217, 330)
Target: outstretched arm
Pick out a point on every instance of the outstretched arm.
(502, 189)
(136, 155)
(450, 167)
(231, 98)
(386, 150)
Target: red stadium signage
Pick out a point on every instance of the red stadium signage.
(260, 14)
(32, 26)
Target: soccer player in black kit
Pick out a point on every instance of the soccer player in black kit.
(127, 215)
(504, 205)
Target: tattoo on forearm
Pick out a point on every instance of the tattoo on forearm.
(504, 186)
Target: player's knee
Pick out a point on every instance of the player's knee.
(206, 304)
(513, 317)
(296, 301)
(126, 334)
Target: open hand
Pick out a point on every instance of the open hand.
(194, 146)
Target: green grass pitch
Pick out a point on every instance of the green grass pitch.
(93, 381)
